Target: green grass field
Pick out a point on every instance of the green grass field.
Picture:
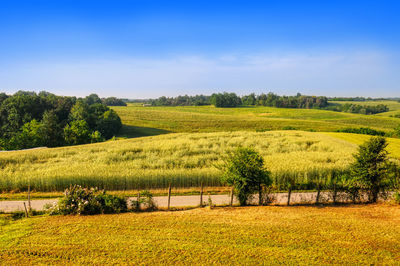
(149, 121)
(363, 234)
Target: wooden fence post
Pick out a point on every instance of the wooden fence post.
(26, 211)
(201, 195)
(289, 194)
(334, 193)
(318, 193)
(231, 200)
(29, 198)
(138, 201)
(169, 196)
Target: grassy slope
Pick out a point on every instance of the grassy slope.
(253, 235)
(156, 120)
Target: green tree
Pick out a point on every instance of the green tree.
(370, 169)
(51, 131)
(77, 132)
(109, 124)
(80, 111)
(29, 137)
(92, 99)
(245, 171)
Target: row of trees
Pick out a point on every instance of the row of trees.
(232, 100)
(357, 99)
(372, 173)
(359, 109)
(185, 100)
(29, 120)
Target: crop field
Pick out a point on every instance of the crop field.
(363, 234)
(148, 121)
(182, 159)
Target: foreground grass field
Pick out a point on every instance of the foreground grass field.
(364, 234)
(148, 121)
(183, 159)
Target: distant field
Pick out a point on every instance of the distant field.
(149, 121)
(184, 159)
(352, 235)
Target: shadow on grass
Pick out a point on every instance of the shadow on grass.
(135, 132)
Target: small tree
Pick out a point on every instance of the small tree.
(370, 169)
(245, 171)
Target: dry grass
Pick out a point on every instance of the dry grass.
(364, 234)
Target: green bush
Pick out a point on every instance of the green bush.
(245, 171)
(145, 202)
(84, 201)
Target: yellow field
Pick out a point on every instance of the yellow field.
(352, 235)
(183, 159)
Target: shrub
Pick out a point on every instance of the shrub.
(84, 201)
(245, 171)
(146, 201)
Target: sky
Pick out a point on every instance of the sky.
(146, 49)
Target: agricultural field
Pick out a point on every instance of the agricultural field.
(358, 234)
(149, 121)
(182, 159)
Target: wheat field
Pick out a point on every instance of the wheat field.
(182, 159)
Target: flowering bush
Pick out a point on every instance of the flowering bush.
(85, 201)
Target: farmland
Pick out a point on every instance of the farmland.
(147, 121)
(185, 159)
(363, 234)
(186, 145)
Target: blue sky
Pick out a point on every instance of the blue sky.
(141, 49)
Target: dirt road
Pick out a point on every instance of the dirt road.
(179, 201)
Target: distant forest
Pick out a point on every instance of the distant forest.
(271, 100)
(29, 120)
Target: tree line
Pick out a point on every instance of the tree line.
(29, 120)
(232, 100)
(359, 109)
(272, 100)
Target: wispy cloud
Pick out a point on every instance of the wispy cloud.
(367, 73)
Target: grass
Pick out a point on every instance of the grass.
(184, 159)
(363, 234)
(210, 119)
(394, 106)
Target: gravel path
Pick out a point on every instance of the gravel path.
(178, 201)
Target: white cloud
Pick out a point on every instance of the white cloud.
(359, 73)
